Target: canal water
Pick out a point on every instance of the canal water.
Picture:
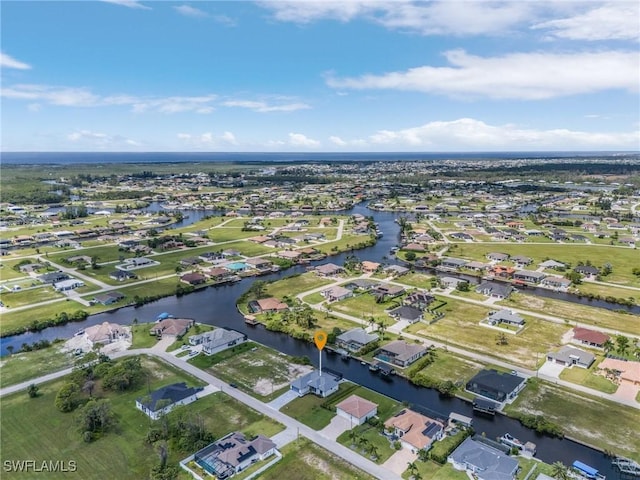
(216, 306)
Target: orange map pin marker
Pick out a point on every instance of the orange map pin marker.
(320, 338)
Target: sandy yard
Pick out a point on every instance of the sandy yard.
(265, 386)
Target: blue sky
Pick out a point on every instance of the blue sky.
(125, 75)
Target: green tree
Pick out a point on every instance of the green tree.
(32, 390)
(68, 397)
(560, 471)
(608, 345)
(96, 417)
(622, 344)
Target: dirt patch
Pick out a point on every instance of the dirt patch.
(319, 464)
(266, 386)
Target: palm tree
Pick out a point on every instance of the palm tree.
(560, 471)
(413, 469)
(608, 345)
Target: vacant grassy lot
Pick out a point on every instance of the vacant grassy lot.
(304, 460)
(460, 327)
(102, 254)
(255, 369)
(433, 471)
(607, 425)
(29, 296)
(313, 298)
(20, 367)
(246, 248)
(590, 288)
(364, 306)
(621, 259)
(347, 242)
(448, 366)
(6, 268)
(35, 429)
(573, 312)
(296, 284)
(227, 234)
(588, 378)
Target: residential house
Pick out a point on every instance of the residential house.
(558, 283)
(453, 263)
(122, 275)
(354, 339)
(260, 264)
(108, 298)
(588, 271)
(53, 277)
(217, 340)
(419, 299)
(569, 356)
(497, 257)
(588, 337)
(356, 409)
(337, 293)
(477, 266)
(384, 292)
(233, 453)
(289, 255)
(210, 257)
(370, 267)
(193, 279)
(528, 276)
(328, 270)
(172, 326)
(495, 385)
(451, 282)
(104, 333)
(415, 431)
(401, 353)
(505, 316)
(319, 383)
(219, 274)
(270, 304)
(190, 262)
(407, 313)
(66, 285)
(626, 372)
(502, 271)
(396, 270)
(165, 399)
(494, 290)
(521, 261)
(482, 461)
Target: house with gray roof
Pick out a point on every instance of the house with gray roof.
(165, 399)
(569, 356)
(354, 339)
(505, 316)
(552, 264)
(336, 293)
(453, 263)
(407, 313)
(217, 340)
(529, 276)
(401, 353)
(494, 289)
(319, 383)
(494, 385)
(482, 461)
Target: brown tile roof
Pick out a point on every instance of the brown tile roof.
(413, 424)
(356, 406)
(591, 336)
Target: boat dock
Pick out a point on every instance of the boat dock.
(628, 468)
(485, 406)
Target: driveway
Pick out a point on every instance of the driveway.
(283, 399)
(397, 462)
(627, 391)
(551, 369)
(337, 425)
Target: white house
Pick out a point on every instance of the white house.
(165, 399)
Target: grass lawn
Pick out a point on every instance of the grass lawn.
(164, 286)
(598, 317)
(599, 422)
(309, 411)
(30, 296)
(263, 373)
(304, 460)
(588, 378)
(460, 327)
(373, 438)
(20, 367)
(621, 259)
(35, 429)
(364, 306)
(103, 253)
(526, 464)
(7, 272)
(227, 234)
(448, 366)
(608, 291)
(313, 298)
(296, 284)
(433, 471)
(140, 336)
(347, 242)
(246, 248)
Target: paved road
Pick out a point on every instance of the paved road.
(290, 424)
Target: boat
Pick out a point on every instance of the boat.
(250, 320)
(582, 471)
(511, 441)
(363, 362)
(373, 367)
(78, 333)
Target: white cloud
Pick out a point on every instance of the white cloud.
(100, 140)
(300, 140)
(263, 107)
(471, 134)
(189, 11)
(7, 61)
(206, 139)
(612, 21)
(526, 76)
(229, 138)
(128, 4)
(83, 97)
(34, 107)
(427, 18)
(337, 141)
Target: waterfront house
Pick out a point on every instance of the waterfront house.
(271, 304)
(569, 356)
(370, 267)
(104, 333)
(482, 461)
(528, 276)
(233, 453)
(165, 399)
(319, 383)
(217, 340)
(356, 409)
(495, 385)
(451, 282)
(401, 353)
(453, 263)
(108, 298)
(172, 326)
(193, 279)
(415, 431)
(260, 264)
(494, 290)
(396, 270)
(559, 283)
(502, 271)
(219, 274)
(588, 271)
(354, 339)
(328, 270)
